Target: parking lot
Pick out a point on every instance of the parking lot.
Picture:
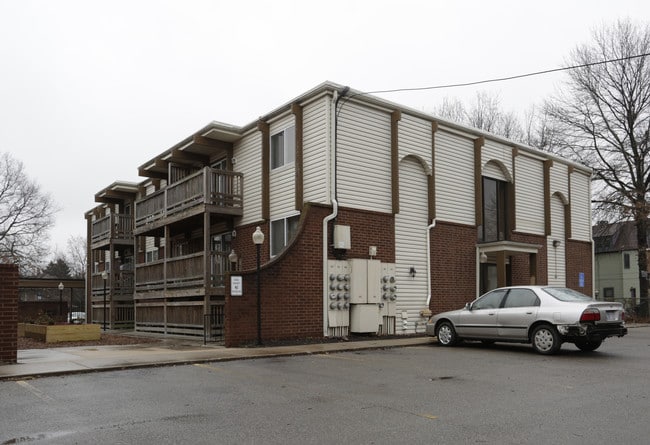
(424, 394)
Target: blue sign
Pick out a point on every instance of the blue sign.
(581, 279)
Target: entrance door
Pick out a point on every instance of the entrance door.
(221, 247)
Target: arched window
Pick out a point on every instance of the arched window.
(495, 208)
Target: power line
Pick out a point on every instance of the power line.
(501, 79)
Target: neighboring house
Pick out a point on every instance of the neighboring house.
(374, 215)
(616, 262)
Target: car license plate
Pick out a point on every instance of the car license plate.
(611, 315)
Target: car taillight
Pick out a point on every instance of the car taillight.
(590, 314)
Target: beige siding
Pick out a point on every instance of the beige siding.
(414, 137)
(580, 206)
(411, 244)
(529, 195)
(316, 138)
(454, 178)
(364, 161)
(247, 151)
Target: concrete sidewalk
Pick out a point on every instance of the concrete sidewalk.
(68, 360)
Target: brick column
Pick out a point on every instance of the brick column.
(8, 313)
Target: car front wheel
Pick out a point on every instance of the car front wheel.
(446, 334)
(589, 345)
(545, 339)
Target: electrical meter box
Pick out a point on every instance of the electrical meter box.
(365, 281)
(364, 318)
(342, 238)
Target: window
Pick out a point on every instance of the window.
(282, 230)
(283, 147)
(151, 256)
(495, 205)
(521, 298)
(608, 292)
(491, 300)
(626, 261)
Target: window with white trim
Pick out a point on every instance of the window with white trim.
(283, 147)
(282, 230)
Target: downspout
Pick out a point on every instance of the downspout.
(431, 226)
(335, 204)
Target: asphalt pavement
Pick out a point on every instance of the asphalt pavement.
(34, 363)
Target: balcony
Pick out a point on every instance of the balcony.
(208, 190)
(115, 227)
(119, 285)
(184, 273)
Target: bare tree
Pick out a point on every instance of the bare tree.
(25, 216)
(76, 256)
(484, 113)
(603, 115)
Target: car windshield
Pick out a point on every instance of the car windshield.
(564, 294)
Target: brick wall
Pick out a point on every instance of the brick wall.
(292, 282)
(8, 313)
(453, 264)
(521, 263)
(578, 260)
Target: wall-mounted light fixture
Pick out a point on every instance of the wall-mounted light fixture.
(233, 258)
(556, 243)
(412, 272)
(483, 258)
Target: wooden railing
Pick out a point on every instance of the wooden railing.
(220, 188)
(119, 283)
(181, 272)
(114, 225)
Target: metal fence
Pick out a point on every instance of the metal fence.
(213, 324)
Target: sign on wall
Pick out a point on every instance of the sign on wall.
(236, 286)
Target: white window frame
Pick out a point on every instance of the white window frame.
(275, 248)
(285, 154)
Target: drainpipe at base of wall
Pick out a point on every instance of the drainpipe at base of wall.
(326, 220)
(426, 312)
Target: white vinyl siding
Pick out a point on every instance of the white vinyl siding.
(282, 182)
(414, 137)
(494, 171)
(560, 179)
(248, 152)
(454, 177)
(580, 206)
(411, 243)
(316, 138)
(529, 195)
(556, 255)
(495, 151)
(364, 161)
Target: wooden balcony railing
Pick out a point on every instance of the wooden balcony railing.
(219, 188)
(118, 284)
(181, 272)
(112, 226)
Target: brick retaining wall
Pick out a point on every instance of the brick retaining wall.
(8, 313)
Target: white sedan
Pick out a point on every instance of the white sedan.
(544, 316)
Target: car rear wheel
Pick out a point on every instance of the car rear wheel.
(545, 339)
(446, 334)
(589, 345)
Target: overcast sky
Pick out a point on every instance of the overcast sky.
(91, 90)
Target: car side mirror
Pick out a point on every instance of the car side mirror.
(468, 306)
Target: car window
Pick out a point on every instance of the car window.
(491, 300)
(565, 294)
(521, 298)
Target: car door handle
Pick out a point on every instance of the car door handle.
(529, 313)
(492, 313)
